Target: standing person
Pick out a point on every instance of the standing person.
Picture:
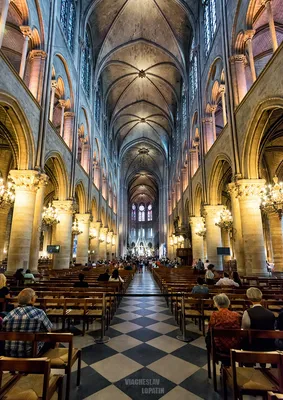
(206, 264)
(200, 266)
(209, 275)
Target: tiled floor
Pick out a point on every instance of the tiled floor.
(143, 359)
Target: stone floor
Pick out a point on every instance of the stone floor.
(143, 359)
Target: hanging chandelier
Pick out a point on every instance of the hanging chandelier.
(272, 198)
(200, 229)
(75, 228)
(7, 194)
(92, 233)
(224, 219)
(50, 215)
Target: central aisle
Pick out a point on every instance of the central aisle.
(143, 359)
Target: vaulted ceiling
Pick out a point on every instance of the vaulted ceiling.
(141, 50)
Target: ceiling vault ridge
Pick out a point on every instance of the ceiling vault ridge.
(142, 140)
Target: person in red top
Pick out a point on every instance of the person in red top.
(225, 319)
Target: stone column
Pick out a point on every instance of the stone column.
(197, 241)
(194, 160)
(96, 174)
(213, 235)
(276, 233)
(4, 211)
(223, 99)
(26, 185)
(225, 242)
(37, 220)
(94, 243)
(237, 237)
(63, 105)
(83, 238)
(3, 19)
(109, 245)
(54, 85)
(184, 178)
(85, 156)
(68, 128)
(238, 64)
(47, 238)
(248, 38)
(178, 190)
(102, 245)
(213, 109)
(27, 32)
(249, 198)
(209, 134)
(267, 4)
(63, 236)
(37, 62)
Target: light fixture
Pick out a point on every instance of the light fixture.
(224, 219)
(108, 239)
(181, 239)
(7, 194)
(92, 233)
(102, 237)
(50, 215)
(75, 228)
(113, 241)
(171, 241)
(200, 229)
(175, 240)
(272, 198)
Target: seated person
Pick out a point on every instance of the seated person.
(28, 277)
(81, 282)
(258, 317)
(25, 318)
(226, 281)
(225, 319)
(4, 294)
(104, 277)
(200, 288)
(279, 327)
(19, 277)
(116, 277)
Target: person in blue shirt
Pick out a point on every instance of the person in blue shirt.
(200, 288)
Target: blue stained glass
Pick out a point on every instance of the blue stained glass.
(209, 23)
(86, 67)
(68, 20)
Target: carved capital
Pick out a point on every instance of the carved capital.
(207, 120)
(212, 108)
(27, 180)
(63, 103)
(64, 206)
(26, 31)
(104, 230)
(249, 188)
(37, 54)
(249, 34)
(69, 114)
(83, 218)
(222, 88)
(54, 84)
(238, 58)
(196, 221)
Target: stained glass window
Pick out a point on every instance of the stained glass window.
(98, 105)
(86, 65)
(134, 212)
(149, 212)
(68, 20)
(209, 23)
(184, 107)
(193, 71)
(141, 213)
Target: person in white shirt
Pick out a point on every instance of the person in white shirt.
(226, 281)
(206, 264)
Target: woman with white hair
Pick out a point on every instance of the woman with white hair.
(223, 319)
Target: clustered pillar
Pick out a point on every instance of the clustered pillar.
(63, 236)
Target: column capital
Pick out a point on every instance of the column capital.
(238, 58)
(207, 120)
(29, 180)
(64, 206)
(26, 31)
(104, 230)
(196, 220)
(212, 210)
(83, 218)
(222, 88)
(212, 108)
(97, 225)
(69, 114)
(249, 188)
(37, 54)
(54, 84)
(265, 2)
(249, 34)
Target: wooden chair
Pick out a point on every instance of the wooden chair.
(39, 384)
(253, 381)
(62, 358)
(217, 357)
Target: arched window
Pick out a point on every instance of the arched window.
(68, 20)
(149, 212)
(86, 66)
(141, 213)
(134, 212)
(97, 109)
(184, 107)
(209, 23)
(193, 71)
